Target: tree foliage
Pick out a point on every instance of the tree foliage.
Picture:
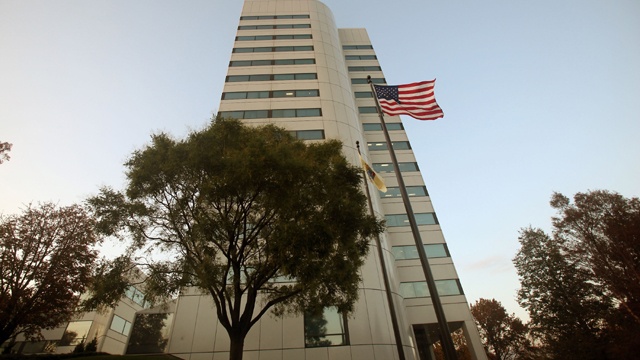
(504, 335)
(5, 147)
(601, 230)
(565, 307)
(581, 285)
(459, 343)
(46, 261)
(250, 215)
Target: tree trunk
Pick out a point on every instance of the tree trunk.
(5, 335)
(237, 346)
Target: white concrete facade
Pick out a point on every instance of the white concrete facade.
(110, 327)
(195, 334)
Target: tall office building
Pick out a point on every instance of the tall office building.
(292, 67)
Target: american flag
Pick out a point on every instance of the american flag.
(416, 100)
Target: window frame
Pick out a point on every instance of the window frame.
(346, 341)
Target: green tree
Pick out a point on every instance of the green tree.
(46, 260)
(252, 216)
(566, 308)
(503, 335)
(600, 231)
(92, 346)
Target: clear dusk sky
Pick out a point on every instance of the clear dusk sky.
(539, 96)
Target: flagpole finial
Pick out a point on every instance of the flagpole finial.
(369, 79)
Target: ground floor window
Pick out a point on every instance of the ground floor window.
(325, 328)
(429, 345)
(76, 332)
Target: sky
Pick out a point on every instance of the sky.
(539, 96)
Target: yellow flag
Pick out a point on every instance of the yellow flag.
(375, 178)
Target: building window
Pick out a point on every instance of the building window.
(327, 328)
(397, 145)
(367, 110)
(419, 288)
(403, 219)
(388, 167)
(363, 94)
(272, 62)
(268, 77)
(266, 114)
(409, 252)
(378, 126)
(120, 325)
(365, 68)
(273, 49)
(269, 94)
(412, 191)
(361, 57)
(273, 17)
(75, 333)
(150, 333)
(137, 296)
(364, 81)
(308, 134)
(357, 47)
(273, 37)
(279, 26)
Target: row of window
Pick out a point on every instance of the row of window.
(273, 49)
(367, 110)
(304, 76)
(271, 114)
(272, 17)
(75, 333)
(329, 327)
(326, 328)
(388, 167)
(269, 94)
(361, 57)
(308, 134)
(419, 288)
(357, 47)
(360, 81)
(363, 94)
(378, 126)
(272, 62)
(137, 296)
(274, 37)
(279, 26)
(268, 77)
(409, 252)
(412, 191)
(365, 68)
(120, 325)
(403, 219)
(397, 145)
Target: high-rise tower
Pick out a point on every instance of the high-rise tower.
(292, 67)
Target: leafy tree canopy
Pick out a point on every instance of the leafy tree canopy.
(581, 284)
(46, 261)
(504, 335)
(245, 213)
(5, 147)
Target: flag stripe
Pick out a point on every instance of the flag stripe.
(416, 100)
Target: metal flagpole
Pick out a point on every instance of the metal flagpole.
(385, 276)
(445, 334)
